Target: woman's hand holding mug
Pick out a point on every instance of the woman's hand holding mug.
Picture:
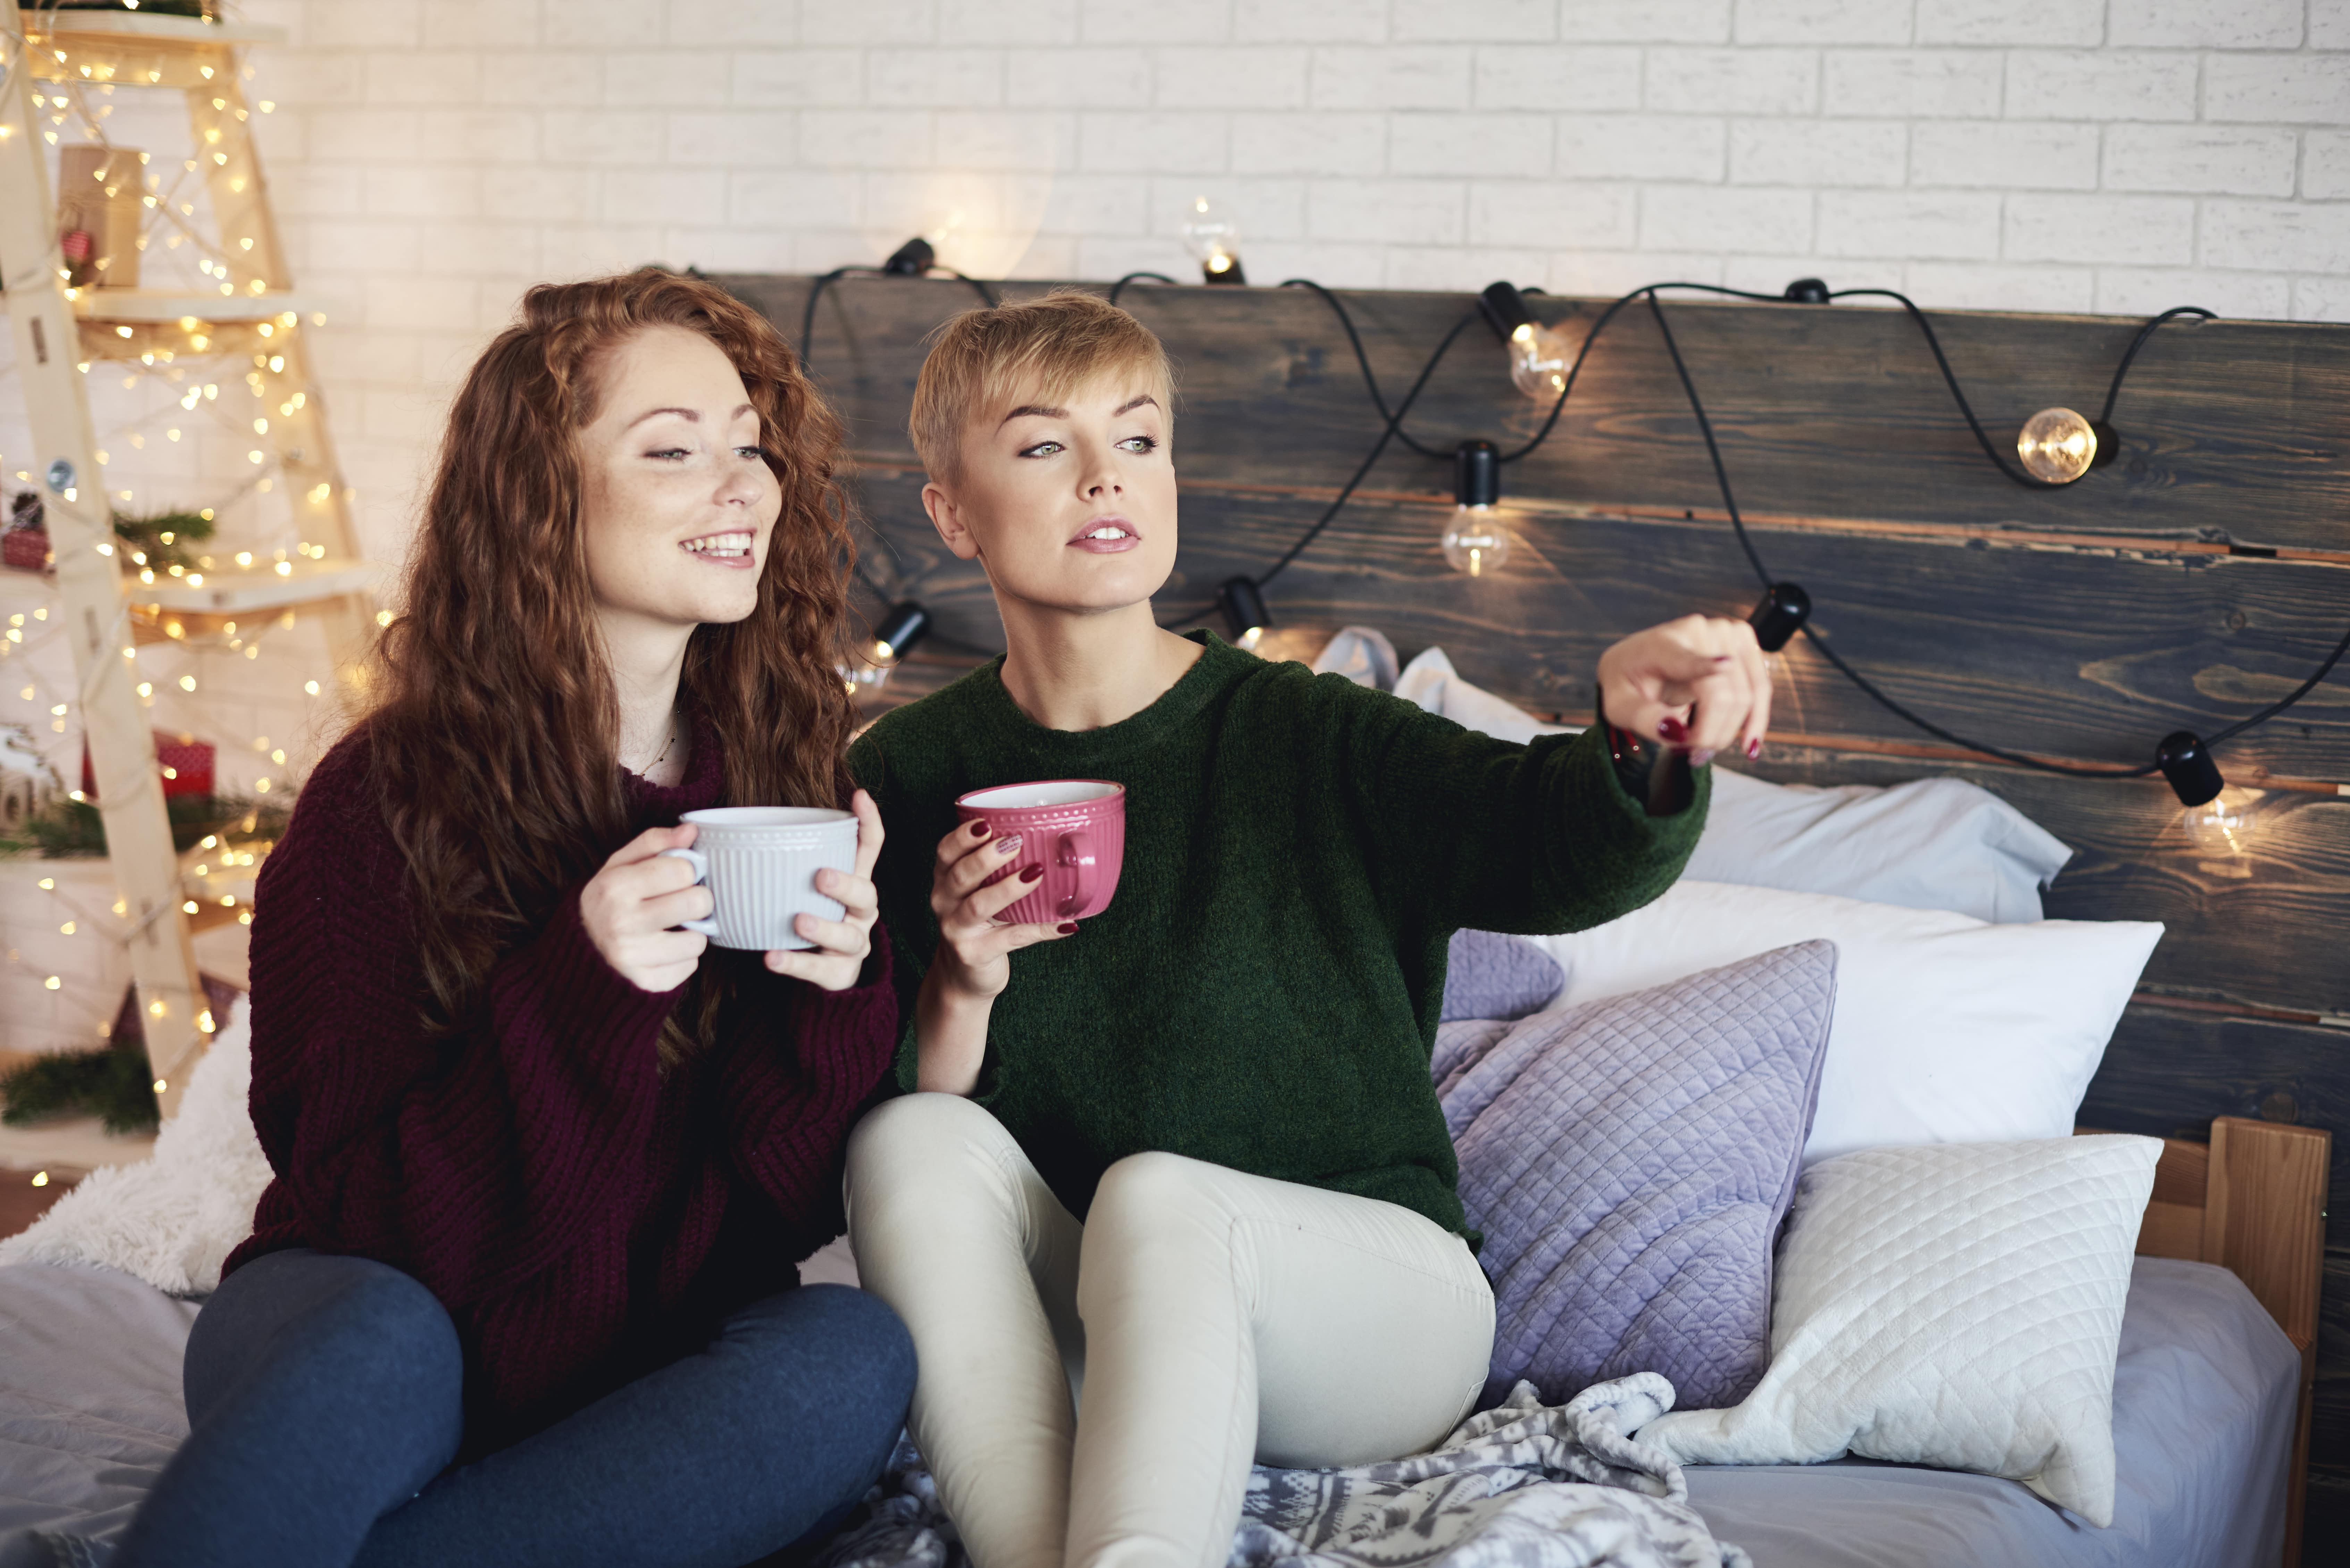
(841, 945)
(631, 906)
(975, 951)
(1700, 684)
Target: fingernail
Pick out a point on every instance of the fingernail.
(1030, 873)
(1673, 729)
(1753, 750)
(1008, 845)
(1699, 758)
(979, 830)
(1069, 928)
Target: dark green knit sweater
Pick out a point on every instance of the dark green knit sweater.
(1263, 992)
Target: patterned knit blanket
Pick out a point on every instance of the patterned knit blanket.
(1519, 1486)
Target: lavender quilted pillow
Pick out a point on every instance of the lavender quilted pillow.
(1630, 1161)
(1489, 975)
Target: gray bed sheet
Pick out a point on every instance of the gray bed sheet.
(2203, 1407)
(89, 1400)
(2205, 1391)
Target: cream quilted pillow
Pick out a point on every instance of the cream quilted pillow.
(1949, 1305)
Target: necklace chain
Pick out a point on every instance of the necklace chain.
(666, 746)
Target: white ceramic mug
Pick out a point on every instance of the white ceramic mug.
(760, 862)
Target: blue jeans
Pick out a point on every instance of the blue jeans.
(323, 1407)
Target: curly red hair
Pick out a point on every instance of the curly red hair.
(492, 719)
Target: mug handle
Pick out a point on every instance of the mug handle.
(1076, 851)
(701, 864)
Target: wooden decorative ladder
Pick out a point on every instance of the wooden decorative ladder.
(254, 317)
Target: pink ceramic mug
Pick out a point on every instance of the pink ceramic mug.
(1074, 829)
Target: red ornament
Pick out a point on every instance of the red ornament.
(186, 763)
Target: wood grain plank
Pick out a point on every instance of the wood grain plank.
(2230, 430)
(2263, 1217)
(2167, 1072)
(2264, 927)
(2062, 655)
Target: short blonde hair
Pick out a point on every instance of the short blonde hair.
(1045, 347)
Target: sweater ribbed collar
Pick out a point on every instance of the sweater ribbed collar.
(1211, 674)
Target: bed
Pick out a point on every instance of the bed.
(2210, 1402)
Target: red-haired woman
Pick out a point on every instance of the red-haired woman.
(523, 1290)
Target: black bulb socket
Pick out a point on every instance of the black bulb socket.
(1806, 291)
(2187, 762)
(1476, 473)
(1786, 607)
(1229, 272)
(2109, 444)
(905, 624)
(1505, 309)
(911, 259)
(1243, 606)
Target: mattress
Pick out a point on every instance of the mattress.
(2203, 1406)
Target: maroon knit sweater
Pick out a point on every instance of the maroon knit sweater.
(583, 1215)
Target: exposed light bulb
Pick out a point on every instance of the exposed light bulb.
(2224, 824)
(1211, 233)
(1476, 540)
(1541, 358)
(2058, 446)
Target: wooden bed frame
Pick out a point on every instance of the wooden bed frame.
(2252, 1200)
(2201, 574)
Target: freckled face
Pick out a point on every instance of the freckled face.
(1069, 503)
(677, 501)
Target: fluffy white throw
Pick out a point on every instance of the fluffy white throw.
(173, 1218)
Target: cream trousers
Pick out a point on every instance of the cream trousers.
(1208, 1318)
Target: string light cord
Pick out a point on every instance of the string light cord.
(1118, 287)
(1958, 396)
(1363, 360)
(2139, 342)
(825, 280)
(1884, 700)
(1388, 431)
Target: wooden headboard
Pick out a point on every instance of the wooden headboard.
(2253, 1199)
(2201, 575)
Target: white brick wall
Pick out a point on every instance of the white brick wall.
(431, 157)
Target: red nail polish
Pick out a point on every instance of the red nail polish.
(1069, 928)
(1673, 729)
(978, 829)
(1753, 750)
(1030, 873)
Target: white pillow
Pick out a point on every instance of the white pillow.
(1947, 1030)
(1932, 844)
(174, 1217)
(1958, 1305)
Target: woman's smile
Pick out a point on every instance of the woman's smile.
(731, 548)
(1108, 535)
